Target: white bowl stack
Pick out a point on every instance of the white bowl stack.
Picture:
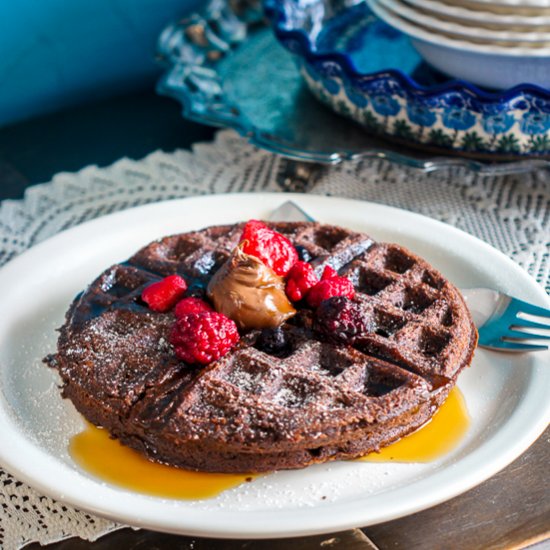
(496, 44)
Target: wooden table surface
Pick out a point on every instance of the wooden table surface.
(510, 510)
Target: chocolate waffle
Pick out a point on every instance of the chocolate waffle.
(253, 411)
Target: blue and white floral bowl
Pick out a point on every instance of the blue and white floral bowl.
(343, 51)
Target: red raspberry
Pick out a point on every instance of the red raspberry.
(191, 305)
(329, 273)
(164, 294)
(272, 248)
(328, 288)
(203, 337)
(301, 278)
(342, 320)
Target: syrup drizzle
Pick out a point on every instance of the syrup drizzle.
(111, 461)
(435, 439)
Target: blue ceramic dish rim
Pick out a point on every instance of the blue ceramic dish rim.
(276, 16)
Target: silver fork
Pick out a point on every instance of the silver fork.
(501, 319)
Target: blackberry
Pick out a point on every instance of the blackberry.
(274, 341)
(341, 320)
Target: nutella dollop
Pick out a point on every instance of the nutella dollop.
(250, 293)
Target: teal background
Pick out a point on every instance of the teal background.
(58, 53)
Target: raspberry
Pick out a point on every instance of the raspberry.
(164, 294)
(341, 320)
(301, 278)
(191, 305)
(203, 337)
(272, 248)
(328, 288)
(329, 273)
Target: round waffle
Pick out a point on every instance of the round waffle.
(251, 411)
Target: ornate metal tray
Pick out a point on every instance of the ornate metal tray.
(227, 69)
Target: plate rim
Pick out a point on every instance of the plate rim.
(417, 31)
(468, 14)
(199, 527)
(463, 32)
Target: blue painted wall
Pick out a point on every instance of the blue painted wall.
(56, 53)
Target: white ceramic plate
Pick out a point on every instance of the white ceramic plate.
(465, 31)
(491, 51)
(507, 395)
(512, 6)
(482, 18)
(487, 64)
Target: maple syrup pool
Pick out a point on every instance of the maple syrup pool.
(109, 460)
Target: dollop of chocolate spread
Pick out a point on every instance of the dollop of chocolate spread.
(250, 293)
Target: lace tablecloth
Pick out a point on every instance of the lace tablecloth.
(511, 213)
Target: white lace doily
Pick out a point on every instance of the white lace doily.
(511, 213)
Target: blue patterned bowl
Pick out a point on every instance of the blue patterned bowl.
(369, 72)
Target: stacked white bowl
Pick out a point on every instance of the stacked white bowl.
(492, 43)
